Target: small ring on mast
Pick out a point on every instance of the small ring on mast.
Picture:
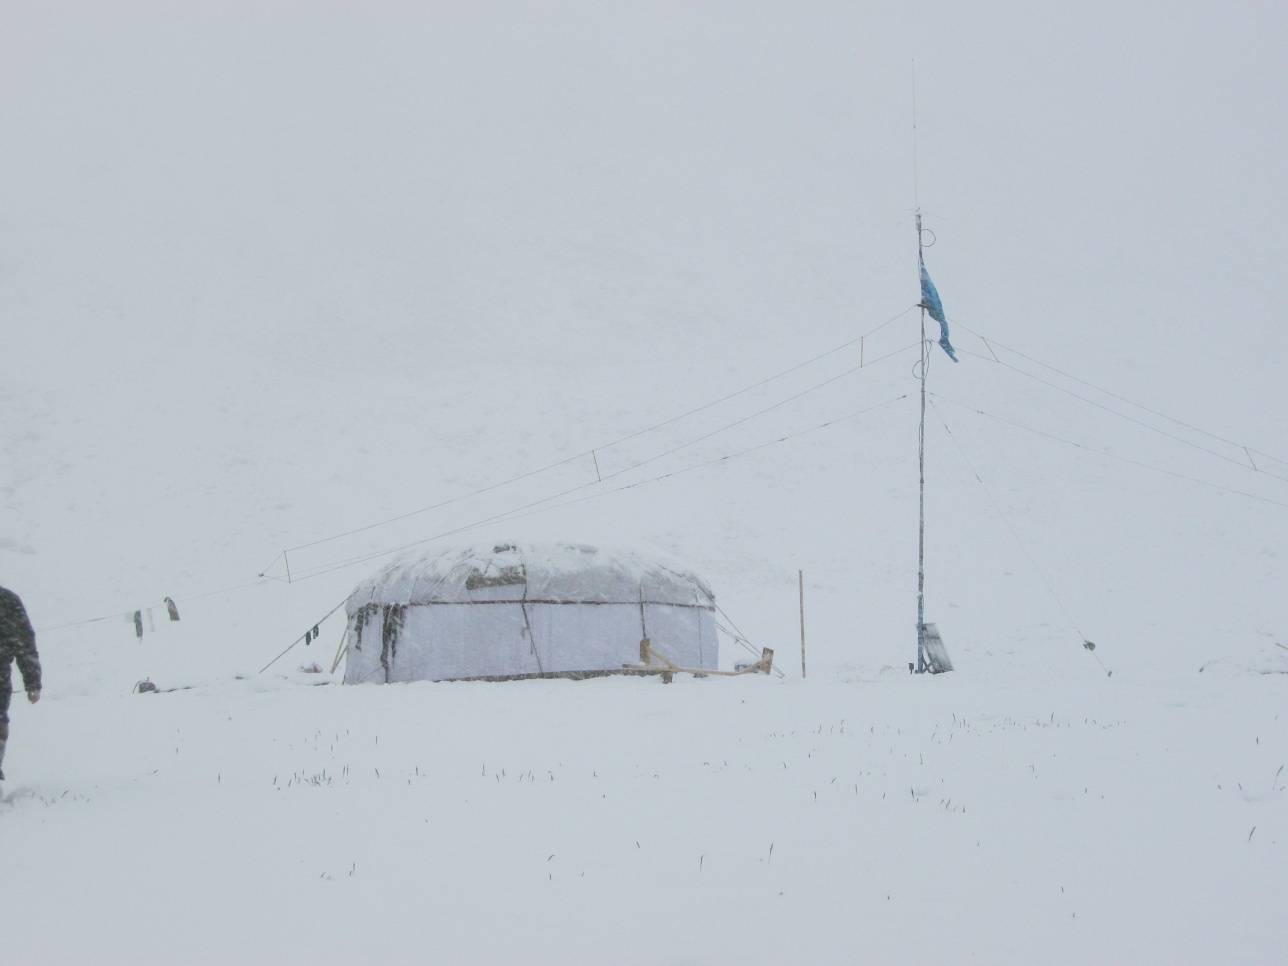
(933, 238)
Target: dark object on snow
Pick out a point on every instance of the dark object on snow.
(145, 687)
(504, 577)
(17, 643)
(395, 615)
(138, 624)
(391, 617)
(171, 609)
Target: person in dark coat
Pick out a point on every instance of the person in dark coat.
(17, 643)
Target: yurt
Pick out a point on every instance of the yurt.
(510, 611)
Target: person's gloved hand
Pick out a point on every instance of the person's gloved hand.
(33, 696)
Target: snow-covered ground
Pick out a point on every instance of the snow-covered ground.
(269, 275)
(893, 819)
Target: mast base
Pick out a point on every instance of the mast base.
(934, 655)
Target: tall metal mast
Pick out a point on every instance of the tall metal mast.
(931, 656)
(921, 479)
(921, 430)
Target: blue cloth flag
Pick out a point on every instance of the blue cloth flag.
(930, 302)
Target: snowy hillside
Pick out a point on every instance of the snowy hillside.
(299, 277)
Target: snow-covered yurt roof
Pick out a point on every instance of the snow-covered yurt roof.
(547, 572)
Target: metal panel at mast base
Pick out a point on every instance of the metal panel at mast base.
(936, 655)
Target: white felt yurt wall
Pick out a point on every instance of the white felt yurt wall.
(516, 610)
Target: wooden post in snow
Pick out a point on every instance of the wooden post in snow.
(800, 577)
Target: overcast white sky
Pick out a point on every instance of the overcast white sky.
(245, 245)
